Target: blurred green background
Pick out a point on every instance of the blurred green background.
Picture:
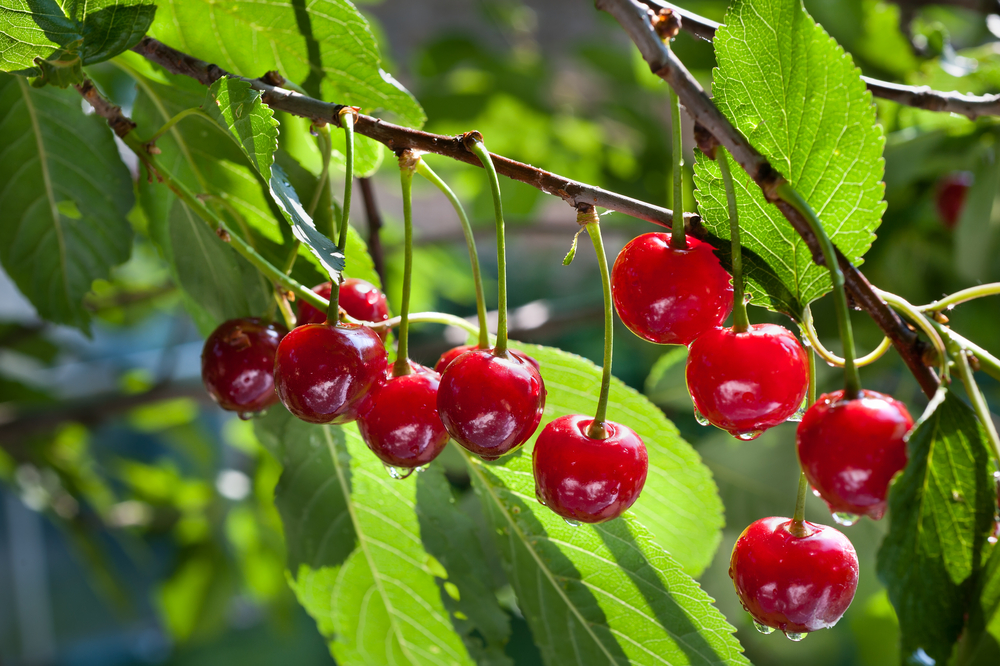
(136, 524)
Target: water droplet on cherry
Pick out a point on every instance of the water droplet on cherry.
(748, 435)
(490, 458)
(398, 473)
(845, 519)
(423, 468)
(794, 636)
(538, 496)
(572, 523)
(246, 416)
(700, 418)
(763, 628)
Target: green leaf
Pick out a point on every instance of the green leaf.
(325, 46)
(33, 29)
(237, 107)
(942, 510)
(110, 26)
(981, 644)
(64, 193)
(794, 93)
(680, 502)
(356, 561)
(597, 594)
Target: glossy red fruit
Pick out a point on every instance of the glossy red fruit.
(237, 364)
(361, 300)
(796, 584)
(950, 199)
(851, 449)
(491, 404)
(670, 296)
(322, 372)
(588, 480)
(399, 420)
(747, 382)
(455, 352)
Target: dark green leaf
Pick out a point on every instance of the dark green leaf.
(110, 26)
(33, 29)
(981, 644)
(799, 99)
(942, 510)
(64, 197)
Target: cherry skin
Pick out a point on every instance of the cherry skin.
(796, 584)
(491, 404)
(584, 479)
(322, 372)
(359, 299)
(670, 296)
(747, 382)
(237, 364)
(399, 420)
(455, 352)
(950, 197)
(851, 449)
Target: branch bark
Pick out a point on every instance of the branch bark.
(920, 97)
(635, 18)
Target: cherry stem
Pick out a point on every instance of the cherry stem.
(406, 168)
(470, 240)
(960, 356)
(925, 324)
(326, 150)
(475, 144)
(347, 122)
(799, 517)
(598, 427)
(809, 333)
(987, 362)
(963, 296)
(181, 115)
(677, 237)
(852, 381)
(741, 323)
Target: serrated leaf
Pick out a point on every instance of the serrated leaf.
(680, 502)
(33, 29)
(110, 26)
(325, 46)
(799, 99)
(942, 510)
(64, 197)
(238, 108)
(356, 561)
(601, 594)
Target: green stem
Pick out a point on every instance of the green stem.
(402, 365)
(959, 297)
(218, 224)
(677, 238)
(479, 149)
(347, 122)
(982, 410)
(181, 115)
(598, 429)
(426, 318)
(326, 149)
(852, 381)
(741, 323)
(930, 327)
(470, 240)
(987, 362)
(809, 333)
(799, 517)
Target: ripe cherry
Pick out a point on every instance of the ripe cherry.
(237, 364)
(322, 372)
(585, 479)
(851, 449)
(950, 198)
(670, 296)
(455, 352)
(792, 581)
(399, 420)
(491, 404)
(747, 382)
(361, 300)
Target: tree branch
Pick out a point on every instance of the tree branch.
(635, 18)
(920, 97)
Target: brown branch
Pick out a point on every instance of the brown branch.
(635, 18)
(399, 138)
(113, 114)
(920, 97)
(374, 227)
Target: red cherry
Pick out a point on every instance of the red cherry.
(793, 583)
(584, 479)
(359, 299)
(747, 382)
(951, 193)
(399, 420)
(670, 296)
(851, 449)
(237, 364)
(322, 372)
(455, 352)
(491, 404)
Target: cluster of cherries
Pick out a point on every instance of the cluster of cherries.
(794, 576)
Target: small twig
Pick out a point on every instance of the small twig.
(374, 227)
(119, 124)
